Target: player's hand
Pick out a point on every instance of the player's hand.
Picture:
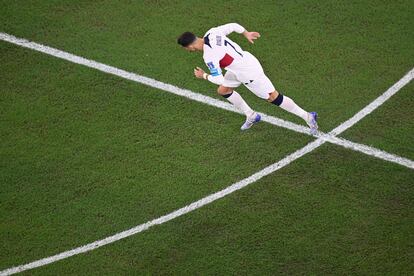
(198, 72)
(250, 36)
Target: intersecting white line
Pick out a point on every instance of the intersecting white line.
(322, 138)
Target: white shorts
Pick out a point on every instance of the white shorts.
(260, 85)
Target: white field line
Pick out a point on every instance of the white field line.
(210, 198)
(225, 105)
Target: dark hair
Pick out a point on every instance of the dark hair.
(186, 39)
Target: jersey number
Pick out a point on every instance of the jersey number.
(228, 43)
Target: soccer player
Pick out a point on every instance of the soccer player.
(241, 68)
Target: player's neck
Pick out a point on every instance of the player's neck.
(200, 44)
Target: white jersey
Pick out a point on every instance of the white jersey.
(221, 52)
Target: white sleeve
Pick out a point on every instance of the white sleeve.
(231, 27)
(216, 79)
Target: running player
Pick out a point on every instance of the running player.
(241, 68)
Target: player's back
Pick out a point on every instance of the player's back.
(217, 46)
(222, 52)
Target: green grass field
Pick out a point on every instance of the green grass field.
(85, 154)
